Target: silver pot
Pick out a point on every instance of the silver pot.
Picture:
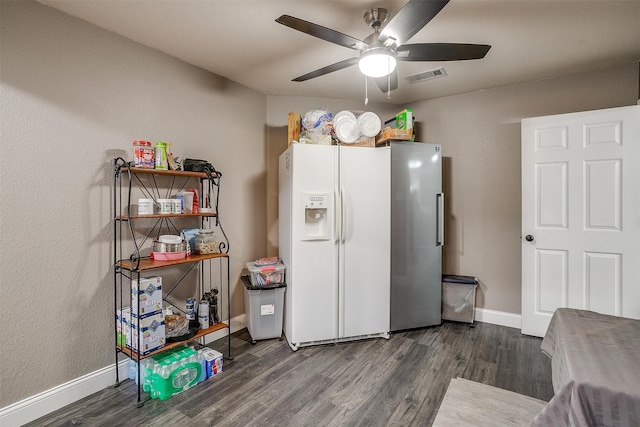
(169, 247)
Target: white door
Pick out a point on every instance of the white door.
(580, 215)
(365, 176)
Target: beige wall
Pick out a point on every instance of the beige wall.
(480, 137)
(73, 97)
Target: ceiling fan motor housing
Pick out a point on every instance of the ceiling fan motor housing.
(376, 17)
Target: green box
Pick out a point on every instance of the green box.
(404, 119)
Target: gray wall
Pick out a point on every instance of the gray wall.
(480, 137)
(73, 97)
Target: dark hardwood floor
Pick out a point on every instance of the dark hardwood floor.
(377, 382)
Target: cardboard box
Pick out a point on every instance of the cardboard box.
(394, 134)
(123, 328)
(363, 141)
(404, 119)
(152, 332)
(148, 295)
(315, 138)
(293, 131)
(212, 362)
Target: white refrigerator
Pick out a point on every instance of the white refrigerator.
(334, 239)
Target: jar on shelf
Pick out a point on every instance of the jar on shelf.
(206, 242)
(143, 155)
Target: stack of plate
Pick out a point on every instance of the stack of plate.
(349, 127)
(345, 126)
(369, 124)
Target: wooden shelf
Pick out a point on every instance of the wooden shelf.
(150, 264)
(199, 214)
(201, 333)
(143, 171)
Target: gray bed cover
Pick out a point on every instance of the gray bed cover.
(595, 362)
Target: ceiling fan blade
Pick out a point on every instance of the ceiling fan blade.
(409, 20)
(328, 69)
(441, 51)
(383, 82)
(321, 32)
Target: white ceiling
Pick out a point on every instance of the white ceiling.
(240, 40)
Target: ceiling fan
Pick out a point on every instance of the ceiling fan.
(386, 45)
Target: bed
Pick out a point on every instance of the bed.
(595, 361)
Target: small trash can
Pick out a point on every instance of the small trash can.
(264, 308)
(458, 297)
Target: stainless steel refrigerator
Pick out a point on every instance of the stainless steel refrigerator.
(417, 234)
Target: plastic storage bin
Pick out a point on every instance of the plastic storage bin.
(264, 307)
(458, 298)
(267, 275)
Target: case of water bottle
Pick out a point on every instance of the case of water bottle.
(172, 372)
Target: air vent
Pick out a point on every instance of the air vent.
(426, 75)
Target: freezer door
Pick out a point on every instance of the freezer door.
(311, 309)
(416, 239)
(364, 250)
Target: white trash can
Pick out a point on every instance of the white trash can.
(458, 298)
(264, 309)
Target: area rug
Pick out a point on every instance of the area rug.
(468, 403)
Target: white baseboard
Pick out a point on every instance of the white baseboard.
(53, 399)
(501, 318)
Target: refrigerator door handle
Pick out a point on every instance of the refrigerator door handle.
(343, 200)
(336, 217)
(440, 217)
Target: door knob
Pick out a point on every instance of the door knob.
(528, 238)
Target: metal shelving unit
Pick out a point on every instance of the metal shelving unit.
(131, 241)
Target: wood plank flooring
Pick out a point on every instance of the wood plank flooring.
(377, 382)
(471, 404)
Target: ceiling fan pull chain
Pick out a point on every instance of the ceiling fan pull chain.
(366, 91)
(389, 86)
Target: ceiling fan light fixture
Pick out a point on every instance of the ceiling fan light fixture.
(377, 62)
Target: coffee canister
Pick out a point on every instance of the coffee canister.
(177, 206)
(203, 314)
(161, 156)
(165, 206)
(145, 206)
(190, 309)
